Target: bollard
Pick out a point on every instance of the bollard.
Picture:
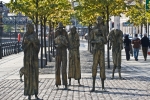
(44, 63)
(13, 47)
(2, 49)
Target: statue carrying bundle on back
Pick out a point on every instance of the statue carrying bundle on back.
(98, 40)
(61, 43)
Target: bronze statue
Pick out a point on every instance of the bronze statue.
(31, 49)
(116, 41)
(98, 39)
(61, 44)
(74, 70)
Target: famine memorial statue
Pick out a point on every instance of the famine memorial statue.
(74, 70)
(31, 69)
(61, 43)
(98, 39)
(115, 37)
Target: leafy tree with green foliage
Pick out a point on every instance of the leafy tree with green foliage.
(88, 10)
(137, 13)
(42, 11)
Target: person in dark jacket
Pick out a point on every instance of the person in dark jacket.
(127, 44)
(145, 43)
(136, 46)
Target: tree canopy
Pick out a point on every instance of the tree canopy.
(137, 13)
(88, 10)
(55, 10)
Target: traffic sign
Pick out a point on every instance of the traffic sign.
(147, 7)
(126, 23)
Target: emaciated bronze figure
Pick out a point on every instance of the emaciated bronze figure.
(115, 37)
(74, 70)
(31, 69)
(98, 39)
(61, 44)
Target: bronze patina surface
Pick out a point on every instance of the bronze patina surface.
(116, 41)
(74, 70)
(98, 39)
(30, 46)
(61, 44)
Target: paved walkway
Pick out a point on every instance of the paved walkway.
(136, 85)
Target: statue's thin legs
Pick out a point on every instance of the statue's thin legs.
(93, 89)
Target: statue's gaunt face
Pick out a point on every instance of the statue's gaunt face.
(61, 29)
(99, 20)
(30, 28)
(73, 30)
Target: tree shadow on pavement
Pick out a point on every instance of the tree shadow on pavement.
(139, 78)
(129, 94)
(134, 89)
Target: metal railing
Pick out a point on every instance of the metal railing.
(9, 48)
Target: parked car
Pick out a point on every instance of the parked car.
(130, 37)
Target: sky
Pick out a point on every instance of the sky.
(5, 1)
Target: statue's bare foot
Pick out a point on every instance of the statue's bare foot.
(21, 80)
(79, 84)
(57, 87)
(29, 97)
(104, 90)
(92, 90)
(112, 78)
(66, 88)
(36, 97)
(121, 78)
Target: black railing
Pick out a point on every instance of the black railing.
(9, 48)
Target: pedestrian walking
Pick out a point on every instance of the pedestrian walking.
(145, 44)
(136, 46)
(127, 46)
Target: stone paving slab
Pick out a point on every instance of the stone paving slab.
(128, 89)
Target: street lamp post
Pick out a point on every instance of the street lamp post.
(1, 28)
(75, 4)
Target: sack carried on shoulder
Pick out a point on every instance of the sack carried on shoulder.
(148, 52)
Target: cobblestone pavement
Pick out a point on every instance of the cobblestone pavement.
(135, 86)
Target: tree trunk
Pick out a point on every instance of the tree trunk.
(41, 43)
(89, 36)
(45, 39)
(49, 36)
(141, 30)
(148, 30)
(36, 18)
(107, 22)
(53, 35)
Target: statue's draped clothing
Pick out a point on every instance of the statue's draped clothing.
(115, 37)
(98, 50)
(74, 70)
(31, 49)
(61, 40)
